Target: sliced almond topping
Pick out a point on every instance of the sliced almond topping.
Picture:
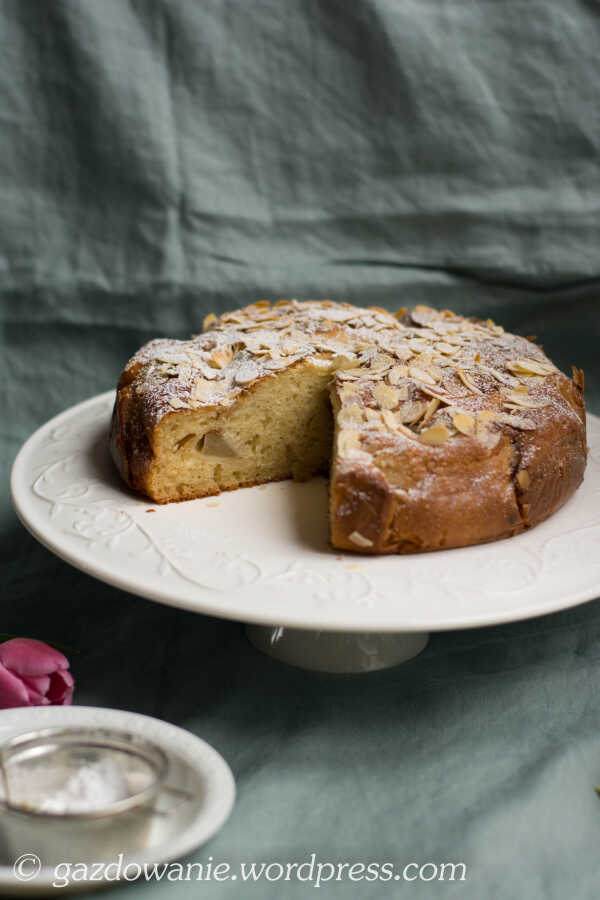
(407, 432)
(431, 408)
(441, 397)
(499, 376)
(394, 424)
(402, 353)
(444, 348)
(348, 389)
(359, 539)
(184, 372)
(246, 373)
(424, 315)
(421, 375)
(411, 411)
(350, 374)
(347, 442)
(523, 479)
(386, 397)
(168, 370)
(351, 415)
(380, 361)
(177, 403)
(208, 371)
(396, 374)
(486, 415)
(203, 390)
(530, 367)
(221, 357)
(274, 363)
(372, 416)
(389, 419)
(518, 399)
(468, 381)
(208, 321)
(237, 318)
(289, 348)
(434, 436)
(464, 423)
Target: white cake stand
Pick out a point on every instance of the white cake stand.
(262, 556)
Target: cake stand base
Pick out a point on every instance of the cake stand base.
(336, 651)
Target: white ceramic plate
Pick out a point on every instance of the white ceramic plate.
(195, 769)
(261, 554)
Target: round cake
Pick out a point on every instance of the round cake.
(436, 431)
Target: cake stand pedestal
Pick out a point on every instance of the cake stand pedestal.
(336, 651)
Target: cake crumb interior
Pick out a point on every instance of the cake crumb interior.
(283, 429)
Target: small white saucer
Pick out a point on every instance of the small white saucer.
(199, 794)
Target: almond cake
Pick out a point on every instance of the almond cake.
(437, 431)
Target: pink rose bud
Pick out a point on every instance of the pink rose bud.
(33, 674)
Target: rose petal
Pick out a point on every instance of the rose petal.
(29, 657)
(12, 690)
(61, 687)
(36, 699)
(39, 683)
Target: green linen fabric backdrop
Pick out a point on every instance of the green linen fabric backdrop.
(160, 160)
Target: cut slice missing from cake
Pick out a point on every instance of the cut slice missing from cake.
(438, 431)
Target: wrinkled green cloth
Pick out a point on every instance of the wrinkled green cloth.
(160, 160)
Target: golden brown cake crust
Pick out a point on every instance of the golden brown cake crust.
(448, 431)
